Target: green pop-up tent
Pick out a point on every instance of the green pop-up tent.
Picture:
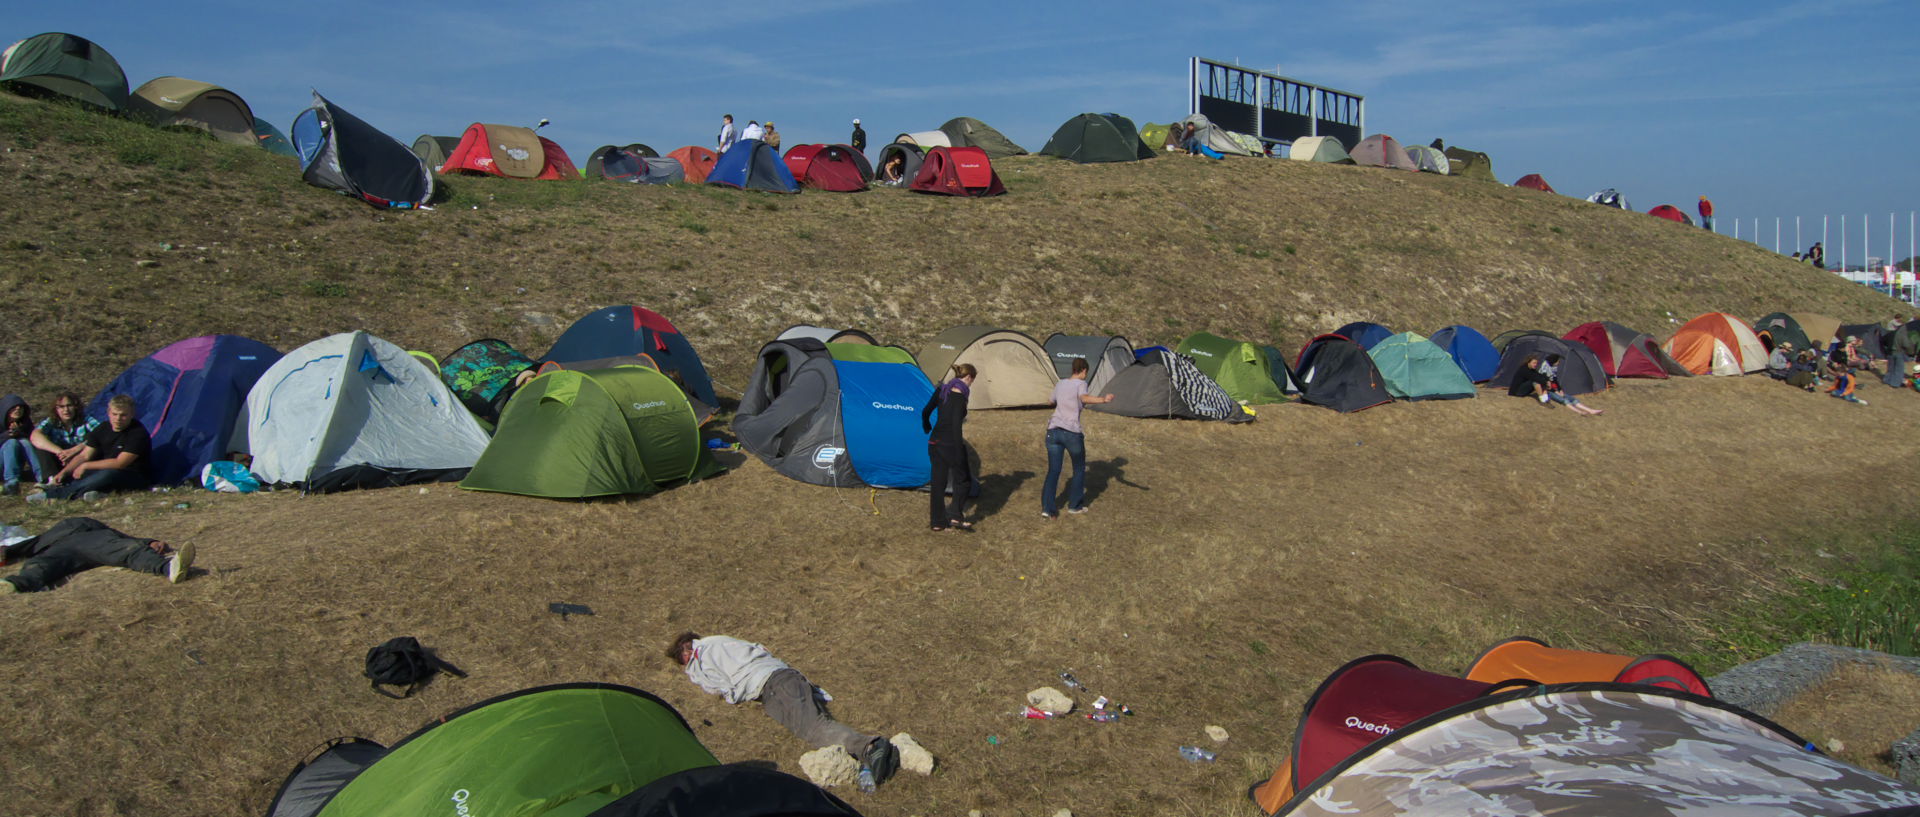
(570, 750)
(1243, 369)
(602, 432)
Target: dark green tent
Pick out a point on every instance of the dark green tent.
(66, 65)
(1778, 327)
(570, 750)
(602, 432)
(1097, 137)
(968, 132)
(1470, 163)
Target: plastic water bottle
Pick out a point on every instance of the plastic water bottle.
(1195, 754)
(866, 780)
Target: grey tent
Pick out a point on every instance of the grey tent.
(63, 64)
(1429, 159)
(899, 163)
(434, 149)
(1319, 149)
(1162, 383)
(1104, 354)
(968, 132)
(1471, 163)
(172, 102)
(1212, 135)
(1611, 198)
(828, 335)
(839, 414)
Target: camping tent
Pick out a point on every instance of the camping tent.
(628, 164)
(1162, 383)
(1380, 150)
(66, 65)
(1873, 337)
(1471, 351)
(579, 750)
(1781, 327)
(1598, 748)
(1430, 159)
(271, 139)
(1820, 329)
(172, 102)
(837, 413)
(835, 168)
(191, 396)
(1579, 372)
(1671, 213)
(957, 172)
(925, 140)
(968, 132)
(827, 335)
(1014, 369)
(1717, 343)
(341, 152)
(354, 411)
(908, 166)
(1333, 371)
(1243, 369)
(604, 432)
(1104, 354)
(1501, 340)
(1413, 368)
(696, 162)
(481, 375)
(1610, 198)
(1534, 181)
(1624, 352)
(1095, 137)
(1530, 659)
(1471, 164)
(1211, 135)
(753, 165)
(1156, 136)
(1319, 149)
(510, 151)
(618, 331)
(434, 149)
(1364, 333)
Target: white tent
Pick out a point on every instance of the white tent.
(926, 139)
(352, 410)
(1319, 149)
(1213, 136)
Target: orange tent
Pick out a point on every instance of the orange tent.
(1717, 343)
(697, 161)
(1530, 660)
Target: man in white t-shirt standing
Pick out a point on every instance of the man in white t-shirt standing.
(739, 671)
(1064, 436)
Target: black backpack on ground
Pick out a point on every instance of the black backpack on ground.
(403, 662)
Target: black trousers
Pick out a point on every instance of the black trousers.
(77, 544)
(949, 468)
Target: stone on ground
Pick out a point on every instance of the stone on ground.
(830, 767)
(1050, 700)
(913, 756)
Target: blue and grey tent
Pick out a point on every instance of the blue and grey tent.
(1364, 333)
(753, 165)
(1470, 349)
(837, 414)
(341, 152)
(192, 397)
(630, 332)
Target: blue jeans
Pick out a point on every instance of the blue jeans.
(1061, 441)
(106, 481)
(18, 457)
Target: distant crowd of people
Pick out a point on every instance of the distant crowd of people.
(1837, 369)
(765, 132)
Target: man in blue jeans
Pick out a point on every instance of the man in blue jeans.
(1064, 436)
(114, 459)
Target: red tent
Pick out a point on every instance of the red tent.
(1380, 150)
(957, 172)
(697, 161)
(1624, 352)
(1670, 213)
(1532, 181)
(505, 150)
(833, 168)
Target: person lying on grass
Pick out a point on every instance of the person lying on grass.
(77, 544)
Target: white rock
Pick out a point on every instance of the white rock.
(1834, 746)
(1051, 700)
(1218, 734)
(974, 813)
(830, 767)
(913, 756)
(1063, 813)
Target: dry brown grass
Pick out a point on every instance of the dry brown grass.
(1221, 574)
(1865, 707)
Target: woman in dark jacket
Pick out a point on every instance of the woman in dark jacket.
(947, 449)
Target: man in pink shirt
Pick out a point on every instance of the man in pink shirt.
(1064, 436)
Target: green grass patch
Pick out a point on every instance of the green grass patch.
(1870, 602)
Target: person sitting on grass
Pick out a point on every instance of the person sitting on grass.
(1843, 385)
(1530, 381)
(1780, 361)
(114, 459)
(63, 436)
(77, 544)
(1805, 374)
(739, 671)
(17, 457)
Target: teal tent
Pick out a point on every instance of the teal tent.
(1415, 368)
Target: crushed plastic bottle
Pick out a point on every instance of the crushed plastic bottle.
(867, 783)
(1195, 754)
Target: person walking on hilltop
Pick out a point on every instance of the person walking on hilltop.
(1706, 213)
(1817, 255)
(1066, 437)
(859, 139)
(943, 419)
(727, 134)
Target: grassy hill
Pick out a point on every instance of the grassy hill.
(1222, 572)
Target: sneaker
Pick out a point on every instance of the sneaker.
(882, 759)
(8, 588)
(10, 488)
(92, 496)
(1049, 516)
(179, 562)
(1081, 509)
(37, 496)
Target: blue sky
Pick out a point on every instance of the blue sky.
(1773, 109)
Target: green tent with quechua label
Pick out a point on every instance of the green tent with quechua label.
(1243, 369)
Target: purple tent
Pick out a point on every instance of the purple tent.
(190, 396)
